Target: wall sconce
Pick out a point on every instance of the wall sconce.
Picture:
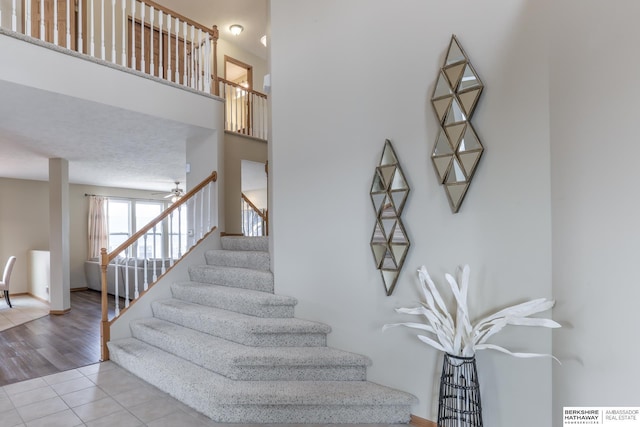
(236, 29)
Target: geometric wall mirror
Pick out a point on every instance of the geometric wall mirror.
(457, 149)
(389, 241)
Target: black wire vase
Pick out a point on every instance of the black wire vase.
(459, 403)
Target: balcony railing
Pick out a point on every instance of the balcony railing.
(255, 221)
(140, 35)
(245, 110)
(187, 221)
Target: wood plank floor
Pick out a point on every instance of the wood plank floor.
(52, 344)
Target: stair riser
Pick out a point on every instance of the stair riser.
(242, 259)
(235, 334)
(238, 278)
(197, 353)
(197, 296)
(209, 399)
(310, 414)
(245, 243)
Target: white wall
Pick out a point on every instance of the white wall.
(594, 108)
(368, 68)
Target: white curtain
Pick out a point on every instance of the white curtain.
(98, 228)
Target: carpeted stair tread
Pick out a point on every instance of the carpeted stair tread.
(242, 328)
(233, 277)
(240, 243)
(242, 362)
(246, 301)
(258, 260)
(226, 400)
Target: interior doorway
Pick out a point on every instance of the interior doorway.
(238, 72)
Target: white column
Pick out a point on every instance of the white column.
(59, 236)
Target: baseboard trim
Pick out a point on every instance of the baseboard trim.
(59, 312)
(421, 422)
(37, 297)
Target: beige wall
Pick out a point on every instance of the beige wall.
(236, 149)
(326, 144)
(24, 225)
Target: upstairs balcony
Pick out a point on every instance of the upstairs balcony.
(142, 37)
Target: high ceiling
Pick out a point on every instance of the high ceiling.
(35, 127)
(251, 14)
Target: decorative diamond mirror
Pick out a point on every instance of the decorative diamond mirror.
(389, 242)
(458, 149)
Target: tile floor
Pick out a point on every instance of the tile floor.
(25, 308)
(102, 394)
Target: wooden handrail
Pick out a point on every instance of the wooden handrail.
(225, 81)
(211, 178)
(106, 258)
(213, 31)
(254, 207)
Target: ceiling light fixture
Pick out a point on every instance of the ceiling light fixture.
(263, 40)
(236, 29)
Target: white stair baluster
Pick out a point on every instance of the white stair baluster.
(160, 56)
(91, 30)
(68, 25)
(152, 70)
(126, 281)
(180, 231)
(155, 255)
(143, 66)
(207, 61)
(80, 42)
(55, 23)
(42, 20)
(201, 61)
(146, 278)
(133, 34)
(113, 31)
(102, 46)
(170, 239)
(169, 74)
(193, 58)
(136, 292)
(116, 267)
(177, 80)
(14, 16)
(124, 35)
(28, 18)
(184, 58)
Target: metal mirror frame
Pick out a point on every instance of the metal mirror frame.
(389, 240)
(457, 150)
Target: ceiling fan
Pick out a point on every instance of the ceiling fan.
(174, 193)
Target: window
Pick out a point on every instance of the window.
(127, 217)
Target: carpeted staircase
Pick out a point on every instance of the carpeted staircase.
(231, 349)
